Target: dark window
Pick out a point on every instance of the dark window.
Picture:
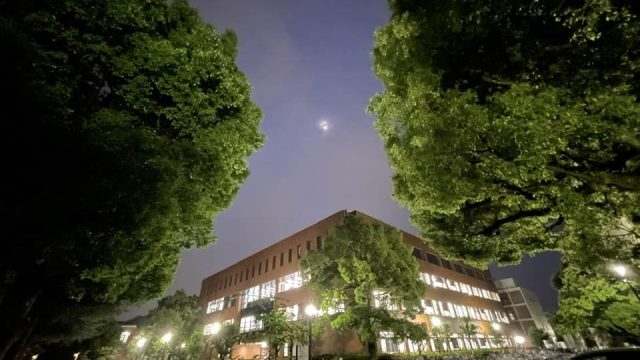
(433, 259)
(308, 245)
(458, 268)
(299, 251)
(235, 279)
(225, 283)
(282, 258)
(266, 266)
(479, 275)
(417, 253)
(259, 268)
(273, 264)
(290, 254)
(241, 273)
(246, 277)
(469, 272)
(230, 301)
(446, 264)
(253, 271)
(318, 243)
(516, 297)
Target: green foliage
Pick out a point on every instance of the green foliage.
(278, 329)
(468, 328)
(224, 340)
(129, 128)
(512, 125)
(538, 337)
(589, 298)
(179, 315)
(347, 271)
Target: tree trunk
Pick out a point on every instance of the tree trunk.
(372, 349)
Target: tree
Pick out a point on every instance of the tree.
(538, 336)
(347, 272)
(129, 129)
(179, 316)
(591, 299)
(278, 329)
(468, 329)
(224, 340)
(512, 126)
(419, 334)
(495, 335)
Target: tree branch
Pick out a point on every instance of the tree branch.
(491, 230)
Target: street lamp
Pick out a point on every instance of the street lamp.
(310, 311)
(519, 340)
(140, 343)
(495, 326)
(215, 328)
(166, 337)
(621, 270)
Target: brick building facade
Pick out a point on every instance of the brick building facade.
(272, 276)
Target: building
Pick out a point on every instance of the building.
(524, 308)
(272, 276)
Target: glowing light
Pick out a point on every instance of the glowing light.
(183, 345)
(518, 339)
(75, 356)
(124, 336)
(311, 310)
(324, 125)
(215, 328)
(263, 344)
(620, 270)
(495, 326)
(436, 321)
(140, 343)
(34, 357)
(166, 337)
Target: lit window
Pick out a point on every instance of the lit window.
(124, 336)
(428, 309)
(249, 295)
(383, 300)
(426, 278)
(438, 281)
(268, 290)
(292, 312)
(250, 323)
(453, 285)
(291, 281)
(215, 305)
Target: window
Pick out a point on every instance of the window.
(290, 254)
(438, 281)
(250, 295)
(241, 273)
(308, 245)
(235, 279)
(446, 264)
(253, 271)
(292, 312)
(230, 301)
(266, 266)
(458, 268)
(433, 259)
(282, 258)
(246, 276)
(318, 243)
(268, 290)
(387, 343)
(291, 281)
(426, 306)
(469, 272)
(453, 285)
(208, 329)
(259, 268)
(273, 263)
(225, 282)
(426, 278)
(417, 253)
(383, 300)
(250, 323)
(215, 305)
(299, 251)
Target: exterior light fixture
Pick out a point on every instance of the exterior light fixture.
(215, 328)
(310, 310)
(183, 345)
(621, 270)
(166, 337)
(495, 326)
(436, 322)
(140, 343)
(519, 339)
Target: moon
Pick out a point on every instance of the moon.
(324, 125)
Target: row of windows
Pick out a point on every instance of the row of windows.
(390, 345)
(265, 290)
(238, 277)
(444, 283)
(447, 309)
(251, 322)
(439, 261)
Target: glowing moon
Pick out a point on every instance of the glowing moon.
(324, 125)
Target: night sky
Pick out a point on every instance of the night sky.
(310, 61)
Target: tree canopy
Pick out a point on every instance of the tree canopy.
(512, 126)
(126, 131)
(356, 289)
(278, 329)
